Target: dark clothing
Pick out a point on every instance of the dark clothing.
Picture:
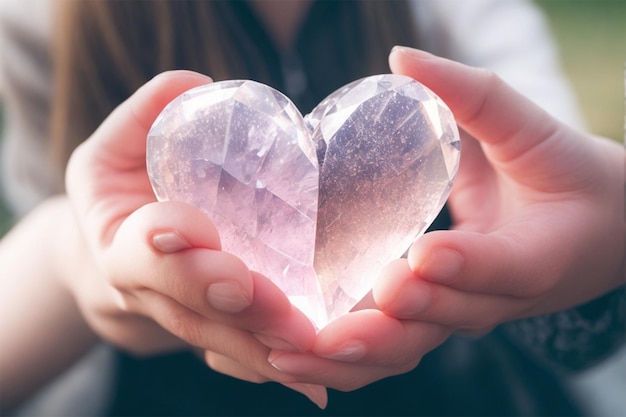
(485, 377)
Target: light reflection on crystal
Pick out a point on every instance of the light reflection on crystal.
(242, 152)
(383, 180)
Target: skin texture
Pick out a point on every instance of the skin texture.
(513, 203)
(539, 226)
(162, 261)
(538, 209)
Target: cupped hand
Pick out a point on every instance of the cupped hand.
(539, 226)
(538, 211)
(360, 348)
(151, 276)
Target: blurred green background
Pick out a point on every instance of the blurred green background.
(591, 35)
(5, 219)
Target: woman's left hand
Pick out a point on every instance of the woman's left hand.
(538, 212)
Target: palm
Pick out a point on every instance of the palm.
(119, 192)
(110, 174)
(475, 190)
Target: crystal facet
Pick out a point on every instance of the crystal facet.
(388, 151)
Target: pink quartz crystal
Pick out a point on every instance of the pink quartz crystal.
(241, 151)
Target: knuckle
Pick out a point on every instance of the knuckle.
(491, 78)
(491, 81)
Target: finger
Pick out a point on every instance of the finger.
(343, 376)
(171, 226)
(275, 321)
(119, 145)
(349, 354)
(228, 366)
(482, 103)
(122, 136)
(133, 333)
(224, 340)
(517, 134)
(311, 369)
(496, 263)
(384, 341)
(170, 247)
(316, 393)
(173, 248)
(401, 293)
(231, 367)
(360, 348)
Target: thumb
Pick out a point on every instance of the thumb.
(493, 263)
(123, 134)
(517, 136)
(119, 146)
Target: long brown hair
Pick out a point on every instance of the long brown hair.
(105, 50)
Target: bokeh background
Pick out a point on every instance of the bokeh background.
(591, 35)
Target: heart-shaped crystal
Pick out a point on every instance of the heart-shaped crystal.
(317, 204)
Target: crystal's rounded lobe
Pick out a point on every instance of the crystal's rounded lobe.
(241, 151)
(391, 155)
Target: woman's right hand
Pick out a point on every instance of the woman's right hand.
(150, 276)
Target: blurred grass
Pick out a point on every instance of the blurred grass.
(591, 35)
(6, 219)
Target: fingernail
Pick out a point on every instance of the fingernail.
(285, 362)
(169, 242)
(186, 73)
(399, 49)
(442, 266)
(227, 297)
(411, 51)
(351, 351)
(316, 393)
(275, 342)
